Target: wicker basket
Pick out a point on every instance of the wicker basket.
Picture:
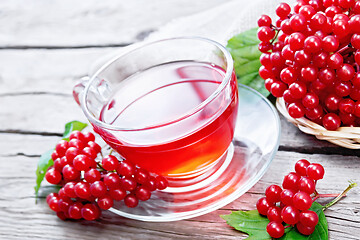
(348, 137)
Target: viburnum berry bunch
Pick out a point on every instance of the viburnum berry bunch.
(311, 58)
(89, 184)
(291, 204)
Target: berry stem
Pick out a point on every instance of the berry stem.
(341, 195)
(357, 67)
(347, 47)
(276, 35)
(99, 165)
(325, 196)
(111, 151)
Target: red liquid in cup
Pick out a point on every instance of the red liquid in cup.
(184, 145)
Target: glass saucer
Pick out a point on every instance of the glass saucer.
(255, 143)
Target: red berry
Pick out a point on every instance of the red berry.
(131, 201)
(277, 88)
(335, 61)
(69, 189)
(76, 143)
(64, 204)
(151, 183)
(51, 195)
(70, 173)
(330, 43)
(128, 183)
(90, 152)
(286, 196)
(347, 106)
(82, 190)
(275, 229)
(53, 176)
(302, 201)
(265, 33)
(331, 121)
(61, 215)
(82, 162)
(272, 193)
(263, 205)
(296, 41)
(98, 189)
(304, 230)
(117, 194)
(274, 214)
(126, 168)
(315, 171)
(110, 163)
(309, 218)
(296, 110)
(291, 181)
(310, 100)
(283, 10)
(71, 153)
(300, 167)
(142, 193)
(75, 210)
(112, 180)
(298, 22)
(309, 73)
(90, 212)
(54, 203)
(61, 148)
(345, 72)
(105, 202)
(312, 44)
(77, 135)
(332, 102)
(306, 184)
(161, 183)
(264, 20)
(290, 215)
(141, 176)
(94, 146)
(54, 155)
(346, 3)
(89, 137)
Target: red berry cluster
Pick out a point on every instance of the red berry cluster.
(311, 58)
(291, 204)
(88, 185)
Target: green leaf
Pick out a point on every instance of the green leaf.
(44, 163)
(321, 229)
(73, 126)
(45, 160)
(244, 50)
(250, 222)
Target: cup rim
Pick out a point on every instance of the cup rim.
(136, 46)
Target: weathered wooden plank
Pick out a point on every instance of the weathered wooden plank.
(76, 23)
(46, 70)
(25, 144)
(17, 198)
(37, 112)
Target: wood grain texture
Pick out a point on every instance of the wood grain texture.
(30, 220)
(77, 23)
(45, 47)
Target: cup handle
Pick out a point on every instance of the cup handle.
(79, 88)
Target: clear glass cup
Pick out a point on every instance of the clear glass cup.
(185, 104)
(175, 108)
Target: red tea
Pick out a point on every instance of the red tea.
(165, 130)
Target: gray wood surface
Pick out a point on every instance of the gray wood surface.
(45, 46)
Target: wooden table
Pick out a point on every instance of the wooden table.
(45, 46)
